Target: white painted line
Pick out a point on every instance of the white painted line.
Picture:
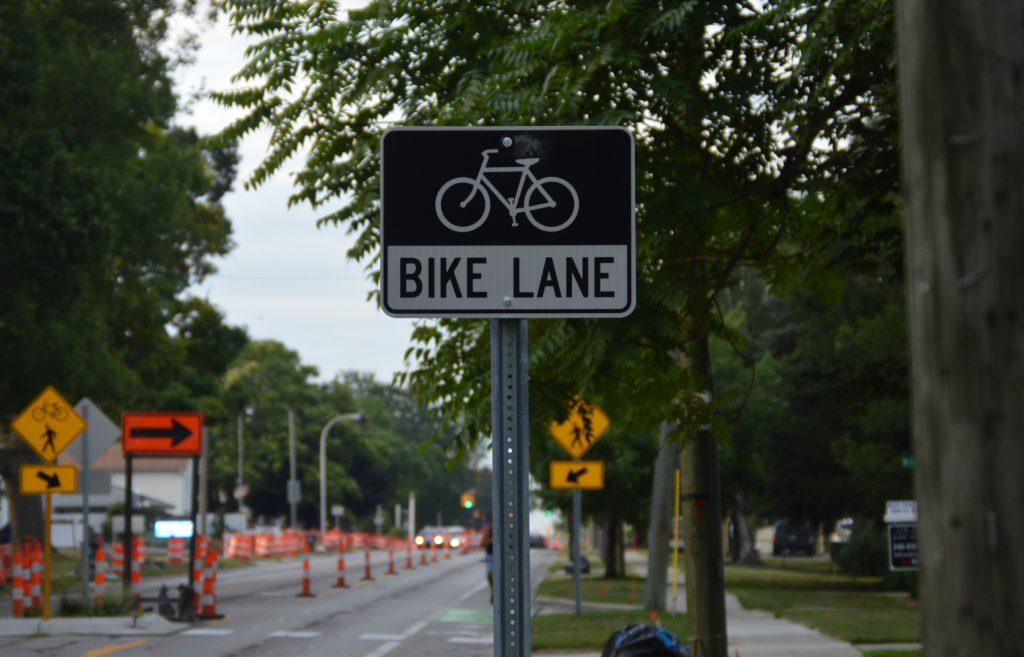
(479, 640)
(414, 628)
(382, 649)
(206, 631)
(381, 637)
(298, 634)
(472, 591)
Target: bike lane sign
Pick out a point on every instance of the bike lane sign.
(508, 222)
(48, 424)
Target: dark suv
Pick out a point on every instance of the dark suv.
(793, 536)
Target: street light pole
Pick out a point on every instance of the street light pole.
(353, 417)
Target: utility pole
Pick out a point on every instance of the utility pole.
(204, 471)
(293, 483)
(240, 452)
(411, 530)
(961, 63)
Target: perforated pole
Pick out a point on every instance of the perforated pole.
(511, 502)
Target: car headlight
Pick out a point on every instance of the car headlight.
(418, 540)
(438, 540)
(456, 543)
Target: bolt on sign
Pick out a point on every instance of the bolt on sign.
(162, 434)
(584, 427)
(569, 475)
(48, 424)
(507, 222)
(41, 479)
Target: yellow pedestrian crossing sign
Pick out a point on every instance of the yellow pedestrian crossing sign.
(38, 479)
(584, 426)
(48, 424)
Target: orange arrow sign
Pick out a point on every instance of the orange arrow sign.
(162, 434)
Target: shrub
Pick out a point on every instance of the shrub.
(866, 551)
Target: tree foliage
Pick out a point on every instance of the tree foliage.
(742, 118)
(107, 212)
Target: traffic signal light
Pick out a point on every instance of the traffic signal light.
(467, 500)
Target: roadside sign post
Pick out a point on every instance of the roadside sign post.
(507, 223)
(577, 434)
(167, 434)
(48, 425)
(99, 433)
(901, 530)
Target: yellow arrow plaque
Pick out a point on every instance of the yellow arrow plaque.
(48, 424)
(584, 426)
(577, 474)
(42, 479)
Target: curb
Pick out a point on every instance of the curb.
(146, 624)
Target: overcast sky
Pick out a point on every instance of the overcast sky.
(287, 280)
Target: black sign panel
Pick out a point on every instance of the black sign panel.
(903, 546)
(507, 222)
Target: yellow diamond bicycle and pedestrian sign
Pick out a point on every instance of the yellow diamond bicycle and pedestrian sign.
(48, 424)
(584, 426)
(576, 474)
(41, 479)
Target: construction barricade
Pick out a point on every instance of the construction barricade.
(100, 581)
(175, 550)
(306, 591)
(18, 586)
(208, 597)
(36, 575)
(138, 560)
(6, 563)
(340, 583)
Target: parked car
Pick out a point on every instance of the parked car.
(793, 537)
(840, 536)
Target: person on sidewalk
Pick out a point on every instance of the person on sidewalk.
(487, 541)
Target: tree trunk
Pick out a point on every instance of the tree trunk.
(702, 529)
(961, 65)
(661, 518)
(613, 549)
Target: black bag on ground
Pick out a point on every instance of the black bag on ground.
(644, 641)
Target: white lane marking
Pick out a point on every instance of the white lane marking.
(297, 634)
(414, 628)
(382, 649)
(472, 591)
(206, 631)
(381, 637)
(480, 640)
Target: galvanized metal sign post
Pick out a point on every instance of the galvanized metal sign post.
(505, 223)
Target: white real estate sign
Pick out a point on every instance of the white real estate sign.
(508, 222)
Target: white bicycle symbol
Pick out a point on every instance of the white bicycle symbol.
(549, 203)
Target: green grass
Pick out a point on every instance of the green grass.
(801, 576)
(594, 588)
(589, 631)
(854, 609)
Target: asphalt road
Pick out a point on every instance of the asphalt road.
(440, 609)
